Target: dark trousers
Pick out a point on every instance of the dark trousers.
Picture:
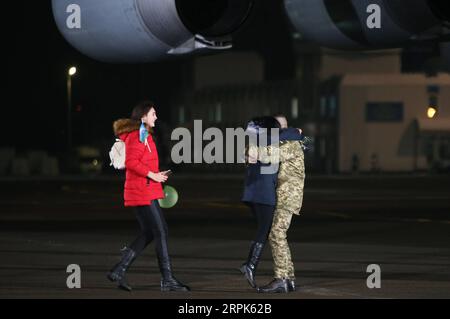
(264, 217)
(153, 227)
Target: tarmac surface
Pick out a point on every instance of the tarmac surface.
(401, 223)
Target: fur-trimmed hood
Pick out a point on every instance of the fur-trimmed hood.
(124, 126)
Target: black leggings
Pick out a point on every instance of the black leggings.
(264, 217)
(153, 227)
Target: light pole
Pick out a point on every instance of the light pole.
(71, 72)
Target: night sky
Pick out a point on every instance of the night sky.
(38, 57)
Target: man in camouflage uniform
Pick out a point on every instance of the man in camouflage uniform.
(291, 180)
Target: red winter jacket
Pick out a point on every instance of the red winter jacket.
(139, 190)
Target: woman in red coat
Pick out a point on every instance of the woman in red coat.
(142, 191)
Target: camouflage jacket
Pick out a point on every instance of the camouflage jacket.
(291, 174)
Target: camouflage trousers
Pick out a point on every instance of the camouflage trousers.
(282, 260)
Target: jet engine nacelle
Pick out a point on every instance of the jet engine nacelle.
(368, 24)
(148, 30)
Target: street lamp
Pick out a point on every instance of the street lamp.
(71, 72)
(433, 97)
(431, 112)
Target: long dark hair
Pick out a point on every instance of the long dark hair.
(267, 122)
(141, 109)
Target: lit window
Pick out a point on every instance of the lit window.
(294, 108)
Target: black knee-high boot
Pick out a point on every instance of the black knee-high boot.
(249, 267)
(168, 280)
(117, 273)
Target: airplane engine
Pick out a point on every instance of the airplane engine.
(148, 30)
(369, 24)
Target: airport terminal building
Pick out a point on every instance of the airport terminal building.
(365, 114)
(383, 122)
